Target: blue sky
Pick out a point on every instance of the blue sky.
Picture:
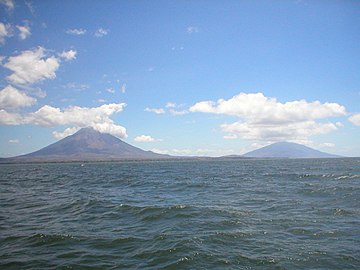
(181, 77)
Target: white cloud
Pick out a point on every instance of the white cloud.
(14, 141)
(38, 92)
(154, 110)
(32, 66)
(97, 117)
(277, 132)
(261, 109)
(76, 32)
(339, 124)
(144, 138)
(24, 31)
(170, 105)
(74, 115)
(11, 98)
(265, 118)
(175, 112)
(192, 29)
(111, 128)
(12, 119)
(77, 117)
(100, 32)
(68, 55)
(65, 133)
(170, 108)
(4, 32)
(111, 90)
(355, 119)
(9, 4)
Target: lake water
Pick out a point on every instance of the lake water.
(235, 214)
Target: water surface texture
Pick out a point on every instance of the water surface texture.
(239, 214)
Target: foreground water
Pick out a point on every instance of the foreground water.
(244, 214)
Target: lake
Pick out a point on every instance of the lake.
(183, 214)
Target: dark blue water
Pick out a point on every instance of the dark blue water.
(245, 214)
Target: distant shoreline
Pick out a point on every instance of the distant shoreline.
(5, 161)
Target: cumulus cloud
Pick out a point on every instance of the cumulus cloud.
(8, 118)
(32, 66)
(144, 138)
(68, 55)
(24, 31)
(97, 118)
(111, 128)
(355, 119)
(4, 32)
(100, 32)
(155, 110)
(264, 118)
(9, 4)
(276, 132)
(11, 98)
(77, 117)
(76, 32)
(261, 109)
(67, 132)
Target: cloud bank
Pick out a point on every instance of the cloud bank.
(265, 118)
(78, 117)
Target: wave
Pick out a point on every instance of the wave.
(331, 176)
(50, 239)
(350, 176)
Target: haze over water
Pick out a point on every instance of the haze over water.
(243, 214)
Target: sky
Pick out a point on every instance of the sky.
(206, 78)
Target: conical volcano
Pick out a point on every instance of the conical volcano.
(88, 145)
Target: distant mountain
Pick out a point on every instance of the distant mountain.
(87, 145)
(287, 150)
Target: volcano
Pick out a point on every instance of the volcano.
(87, 145)
(287, 150)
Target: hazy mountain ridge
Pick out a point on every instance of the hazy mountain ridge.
(287, 150)
(90, 145)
